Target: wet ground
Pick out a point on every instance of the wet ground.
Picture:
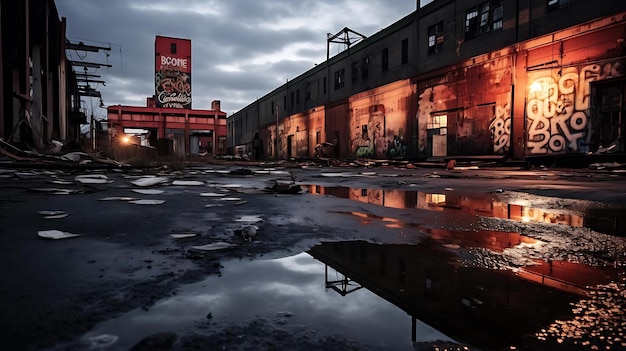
(383, 258)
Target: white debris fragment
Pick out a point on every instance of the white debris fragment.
(250, 219)
(147, 202)
(57, 216)
(187, 182)
(183, 236)
(56, 191)
(149, 181)
(213, 205)
(93, 179)
(55, 234)
(147, 191)
(117, 198)
(51, 212)
(229, 199)
(212, 247)
(212, 194)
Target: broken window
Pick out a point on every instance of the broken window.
(435, 38)
(486, 17)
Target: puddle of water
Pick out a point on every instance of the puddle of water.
(270, 288)
(491, 309)
(607, 221)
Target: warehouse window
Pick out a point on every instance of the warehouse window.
(339, 79)
(486, 17)
(365, 67)
(435, 38)
(355, 71)
(172, 48)
(405, 51)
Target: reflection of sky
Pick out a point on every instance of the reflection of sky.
(263, 289)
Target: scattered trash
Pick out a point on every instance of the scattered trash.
(452, 246)
(149, 181)
(250, 219)
(187, 182)
(220, 245)
(498, 191)
(183, 236)
(147, 202)
(213, 205)
(55, 234)
(51, 212)
(148, 191)
(61, 182)
(229, 199)
(56, 216)
(56, 191)
(212, 194)
(93, 179)
(117, 198)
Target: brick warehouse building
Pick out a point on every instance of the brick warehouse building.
(511, 79)
(168, 122)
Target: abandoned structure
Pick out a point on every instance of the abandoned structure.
(510, 79)
(39, 90)
(167, 122)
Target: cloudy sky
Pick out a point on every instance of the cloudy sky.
(241, 49)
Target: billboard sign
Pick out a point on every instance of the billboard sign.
(172, 72)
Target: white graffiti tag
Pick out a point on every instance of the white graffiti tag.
(558, 109)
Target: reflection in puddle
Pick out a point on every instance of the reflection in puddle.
(608, 221)
(489, 309)
(266, 288)
(395, 297)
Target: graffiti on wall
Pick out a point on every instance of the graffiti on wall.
(557, 111)
(500, 129)
(173, 89)
(368, 131)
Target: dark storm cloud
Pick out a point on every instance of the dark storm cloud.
(241, 49)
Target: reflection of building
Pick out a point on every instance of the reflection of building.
(167, 120)
(459, 78)
(485, 308)
(608, 221)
